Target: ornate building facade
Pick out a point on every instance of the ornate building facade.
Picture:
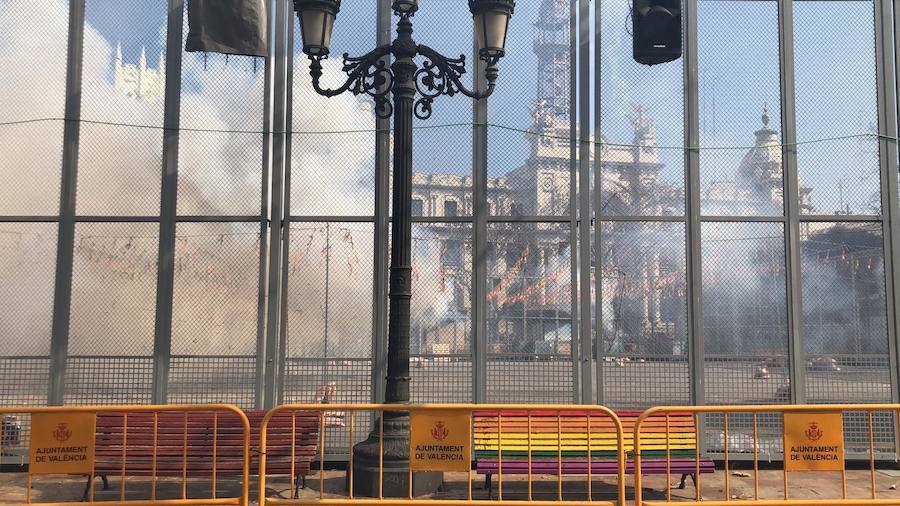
(140, 81)
(529, 289)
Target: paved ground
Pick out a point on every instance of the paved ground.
(801, 486)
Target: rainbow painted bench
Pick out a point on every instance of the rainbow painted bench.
(558, 444)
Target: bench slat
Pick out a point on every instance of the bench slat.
(600, 467)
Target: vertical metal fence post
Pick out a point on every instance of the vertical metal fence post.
(259, 390)
(692, 201)
(381, 225)
(480, 211)
(894, 213)
(598, 215)
(573, 202)
(65, 245)
(280, 379)
(887, 129)
(584, 201)
(796, 363)
(276, 209)
(165, 283)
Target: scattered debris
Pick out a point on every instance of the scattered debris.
(742, 495)
(739, 474)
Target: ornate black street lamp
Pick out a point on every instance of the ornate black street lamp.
(369, 74)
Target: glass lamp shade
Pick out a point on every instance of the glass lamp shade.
(405, 6)
(491, 24)
(316, 22)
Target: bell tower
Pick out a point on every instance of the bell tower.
(551, 45)
(542, 182)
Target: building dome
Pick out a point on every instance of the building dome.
(763, 161)
(760, 172)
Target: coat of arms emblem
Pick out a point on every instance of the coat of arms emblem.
(62, 432)
(440, 431)
(814, 433)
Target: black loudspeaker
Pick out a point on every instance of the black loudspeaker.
(656, 31)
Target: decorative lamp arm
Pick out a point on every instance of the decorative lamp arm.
(441, 75)
(367, 74)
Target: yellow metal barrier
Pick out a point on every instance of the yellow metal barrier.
(206, 441)
(815, 451)
(350, 416)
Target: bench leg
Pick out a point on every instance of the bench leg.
(87, 487)
(298, 485)
(488, 485)
(683, 483)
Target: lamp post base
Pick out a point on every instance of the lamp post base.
(394, 464)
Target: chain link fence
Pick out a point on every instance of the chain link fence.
(529, 312)
(839, 177)
(643, 317)
(739, 182)
(215, 307)
(27, 254)
(845, 324)
(33, 91)
(745, 333)
(441, 313)
(111, 328)
(112, 321)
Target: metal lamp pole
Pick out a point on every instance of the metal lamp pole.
(402, 81)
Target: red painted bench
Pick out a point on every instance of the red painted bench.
(511, 449)
(287, 454)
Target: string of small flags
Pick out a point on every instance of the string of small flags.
(501, 287)
(345, 235)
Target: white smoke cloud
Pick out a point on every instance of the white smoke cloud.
(32, 87)
(216, 286)
(339, 166)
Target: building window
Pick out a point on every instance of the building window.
(454, 255)
(417, 207)
(451, 207)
